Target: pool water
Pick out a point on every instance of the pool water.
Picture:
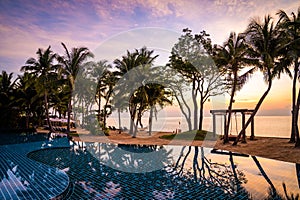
(25, 137)
(99, 171)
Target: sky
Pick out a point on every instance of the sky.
(110, 27)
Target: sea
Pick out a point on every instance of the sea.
(269, 126)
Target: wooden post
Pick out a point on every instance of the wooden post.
(243, 125)
(224, 125)
(214, 124)
(252, 137)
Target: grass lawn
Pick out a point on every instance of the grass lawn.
(191, 135)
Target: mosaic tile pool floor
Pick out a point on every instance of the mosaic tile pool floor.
(24, 178)
(188, 173)
(45, 170)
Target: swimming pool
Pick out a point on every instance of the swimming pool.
(46, 169)
(100, 171)
(23, 137)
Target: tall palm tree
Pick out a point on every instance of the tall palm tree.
(232, 58)
(6, 87)
(27, 95)
(72, 63)
(46, 73)
(109, 81)
(265, 39)
(157, 95)
(291, 28)
(132, 61)
(121, 105)
(100, 70)
(7, 96)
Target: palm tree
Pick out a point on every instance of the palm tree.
(232, 58)
(291, 28)
(100, 70)
(121, 105)
(109, 81)
(46, 72)
(157, 94)
(265, 39)
(7, 93)
(27, 97)
(72, 63)
(130, 63)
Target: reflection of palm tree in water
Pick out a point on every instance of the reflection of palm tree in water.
(273, 193)
(222, 176)
(93, 180)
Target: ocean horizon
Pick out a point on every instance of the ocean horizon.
(268, 126)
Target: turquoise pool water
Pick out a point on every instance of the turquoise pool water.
(56, 168)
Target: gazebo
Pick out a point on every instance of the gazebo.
(224, 113)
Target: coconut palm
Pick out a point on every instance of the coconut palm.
(131, 64)
(27, 96)
(232, 58)
(157, 95)
(100, 69)
(7, 93)
(72, 63)
(109, 81)
(46, 73)
(291, 28)
(265, 39)
(121, 105)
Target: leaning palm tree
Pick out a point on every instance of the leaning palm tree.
(46, 73)
(265, 39)
(232, 58)
(72, 63)
(291, 28)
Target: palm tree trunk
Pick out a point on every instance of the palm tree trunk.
(294, 122)
(297, 144)
(69, 112)
(82, 108)
(132, 110)
(119, 116)
(150, 120)
(27, 119)
(237, 182)
(135, 128)
(69, 116)
(105, 107)
(226, 138)
(99, 107)
(47, 112)
(263, 173)
(256, 108)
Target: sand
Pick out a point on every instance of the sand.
(267, 147)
